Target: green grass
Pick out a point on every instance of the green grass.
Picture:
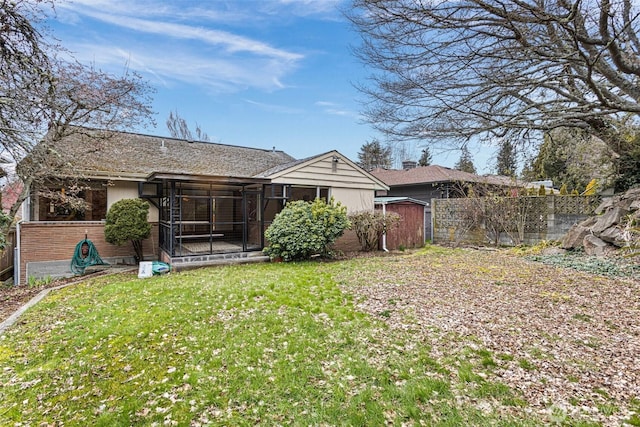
(272, 344)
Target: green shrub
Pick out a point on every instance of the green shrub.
(303, 229)
(127, 221)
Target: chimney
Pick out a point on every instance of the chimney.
(409, 164)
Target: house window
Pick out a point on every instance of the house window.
(309, 194)
(55, 208)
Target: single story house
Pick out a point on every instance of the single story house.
(208, 201)
(425, 183)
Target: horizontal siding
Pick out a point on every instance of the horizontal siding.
(355, 200)
(321, 173)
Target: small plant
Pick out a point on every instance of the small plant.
(303, 229)
(631, 234)
(526, 365)
(35, 282)
(127, 221)
(369, 226)
(591, 188)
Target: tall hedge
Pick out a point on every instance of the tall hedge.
(303, 229)
(127, 220)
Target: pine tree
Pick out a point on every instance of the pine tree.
(507, 161)
(373, 155)
(425, 158)
(465, 163)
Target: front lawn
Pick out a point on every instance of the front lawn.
(413, 339)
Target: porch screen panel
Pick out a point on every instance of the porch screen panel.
(210, 219)
(254, 220)
(275, 196)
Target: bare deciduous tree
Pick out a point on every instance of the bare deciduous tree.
(44, 98)
(178, 128)
(447, 70)
(25, 69)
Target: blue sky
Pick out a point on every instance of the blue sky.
(257, 73)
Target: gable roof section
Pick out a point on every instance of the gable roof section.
(435, 174)
(123, 154)
(356, 172)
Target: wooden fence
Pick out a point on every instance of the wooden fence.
(6, 256)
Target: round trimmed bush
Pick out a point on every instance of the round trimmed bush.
(303, 229)
(127, 220)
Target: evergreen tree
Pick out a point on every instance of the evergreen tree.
(626, 165)
(373, 155)
(425, 158)
(507, 161)
(572, 157)
(465, 163)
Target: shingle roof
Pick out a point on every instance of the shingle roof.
(135, 154)
(433, 174)
(284, 166)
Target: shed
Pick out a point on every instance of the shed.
(412, 231)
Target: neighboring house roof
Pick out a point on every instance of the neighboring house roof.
(435, 174)
(392, 200)
(124, 154)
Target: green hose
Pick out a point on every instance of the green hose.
(79, 262)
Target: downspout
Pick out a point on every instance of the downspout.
(16, 256)
(384, 229)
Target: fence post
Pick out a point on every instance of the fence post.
(433, 220)
(551, 215)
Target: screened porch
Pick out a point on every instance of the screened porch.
(207, 218)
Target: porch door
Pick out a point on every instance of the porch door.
(253, 217)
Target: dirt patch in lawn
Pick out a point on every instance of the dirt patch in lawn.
(568, 342)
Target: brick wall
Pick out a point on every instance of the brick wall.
(56, 241)
(348, 242)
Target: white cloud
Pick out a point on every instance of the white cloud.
(214, 74)
(230, 42)
(335, 109)
(193, 50)
(274, 108)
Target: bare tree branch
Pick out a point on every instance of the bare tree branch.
(454, 70)
(44, 98)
